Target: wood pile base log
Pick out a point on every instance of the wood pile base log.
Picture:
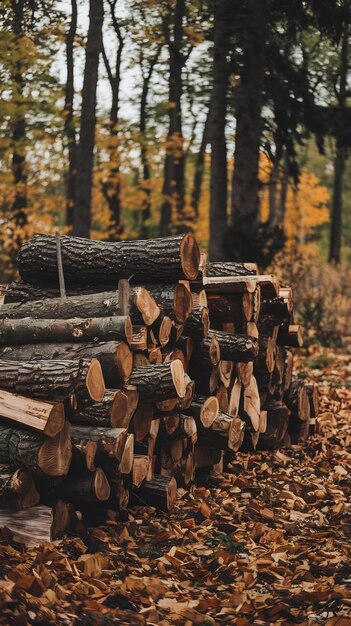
(114, 395)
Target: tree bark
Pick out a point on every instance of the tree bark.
(54, 380)
(161, 493)
(218, 270)
(85, 152)
(159, 382)
(337, 206)
(200, 166)
(84, 487)
(115, 410)
(173, 187)
(248, 105)
(115, 357)
(69, 128)
(219, 180)
(32, 330)
(234, 347)
(172, 258)
(198, 323)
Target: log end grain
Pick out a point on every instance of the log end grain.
(177, 371)
(55, 454)
(56, 420)
(101, 486)
(124, 360)
(189, 256)
(95, 381)
(209, 411)
(146, 304)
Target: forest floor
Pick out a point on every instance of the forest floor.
(267, 543)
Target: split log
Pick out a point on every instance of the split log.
(235, 397)
(204, 410)
(58, 380)
(198, 323)
(220, 268)
(222, 397)
(52, 456)
(84, 487)
(140, 470)
(31, 330)
(115, 357)
(161, 330)
(234, 347)
(170, 258)
(158, 382)
(170, 354)
(277, 424)
(297, 401)
(143, 308)
(265, 360)
(109, 441)
(225, 433)
(161, 493)
(116, 409)
(252, 403)
(187, 429)
(225, 369)
(142, 420)
(184, 469)
(244, 372)
(138, 339)
(45, 417)
(288, 370)
(17, 489)
(39, 524)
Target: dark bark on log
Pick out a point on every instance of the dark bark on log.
(206, 352)
(234, 347)
(231, 307)
(109, 441)
(33, 451)
(17, 489)
(173, 299)
(161, 493)
(84, 487)
(291, 336)
(115, 357)
(115, 410)
(159, 382)
(54, 380)
(226, 433)
(313, 396)
(32, 330)
(198, 323)
(170, 258)
(297, 401)
(277, 424)
(231, 269)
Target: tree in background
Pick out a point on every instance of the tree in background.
(69, 125)
(85, 150)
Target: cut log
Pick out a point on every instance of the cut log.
(229, 284)
(161, 493)
(170, 258)
(198, 323)
(39, 524)
(174, 300)
(155, 356)
(291, 336)
(185, 402)
(225, 369)
(226, 433)
(170, 354)
(161, 330)
(159, 382)
(244, 372)
(220, 268)
(184, 470)
(171, 423)
(52, 456)
(58, 380)
(116, 409)
(115, 357)
(235, 397)
(222, 397)
(205, 410)
(141, 466)
(109, 441)
(206, 457)
(17, 489)
(252, 403)
(143, 308)
(187, 428)
(207, 351)
(280, 308)
(31, 330)
(277, 424)
(44, 417)
(138, 339)
(84, 487)
(288, 370)
(297, 400)
(187, 345)
(313, 396)
(236, 308)
(234, 347)
(142, 420)
(265, 361)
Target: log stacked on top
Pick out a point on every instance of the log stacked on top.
(113, 393)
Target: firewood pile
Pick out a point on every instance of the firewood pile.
(129, 368)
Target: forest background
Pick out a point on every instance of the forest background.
(138, 118)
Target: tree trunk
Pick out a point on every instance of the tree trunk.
(115, 357)
(172, 258)
(173, 187)
(69, 128)
(337, 206)
(44, 417)
(54, 380)
(249, 125)
(85, 152)
(32, 330)
(17, 489)
(19, 447)
(218, 185)
(19, 167)
(200, 166)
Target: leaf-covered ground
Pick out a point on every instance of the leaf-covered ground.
(267, 543)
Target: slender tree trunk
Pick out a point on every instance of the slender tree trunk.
(19, 169)
(337, 205)
(249, 100)
(85, 156)
(111, 188)
(69, 128)
(218, 186)
(173, 187)
(339, 161)
(146, 206)
(199, 166)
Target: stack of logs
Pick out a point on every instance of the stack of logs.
(126, 368)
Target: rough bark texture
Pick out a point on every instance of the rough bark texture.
(174, 300)
(197, 324)
(161, 492)
(84, 487)
(114, 357)
(49, 380)
(206, 352)
(218, 269)
(218, 184)
(171, 258)
(156, 382)
(98, 414)
(85, 152)
(236, 347)
(230, 307)
(33, 330)
(277, 425)
(69, 128)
